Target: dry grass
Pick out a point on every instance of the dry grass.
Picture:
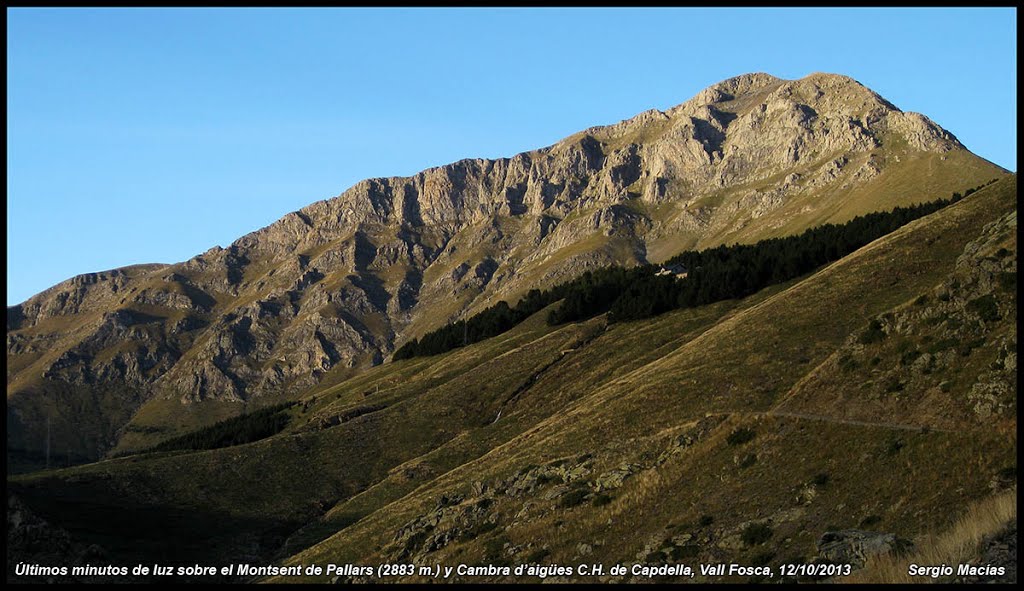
(620, 397)
(958, 545)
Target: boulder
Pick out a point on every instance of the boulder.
(854, 547)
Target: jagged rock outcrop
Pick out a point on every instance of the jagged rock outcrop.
(343, 282)
(996, 551)
(854, 547)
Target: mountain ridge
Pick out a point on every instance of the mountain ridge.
(337, 285)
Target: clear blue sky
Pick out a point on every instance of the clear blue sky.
(151, 135)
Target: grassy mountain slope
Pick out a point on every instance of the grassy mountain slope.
(623, 443)
(741, 369)
(114, 362)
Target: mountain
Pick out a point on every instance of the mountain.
(858, 409)
(736, 433)
(117, 361)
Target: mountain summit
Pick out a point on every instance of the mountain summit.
(119, 360)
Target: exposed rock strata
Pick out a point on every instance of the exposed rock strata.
(344, 281)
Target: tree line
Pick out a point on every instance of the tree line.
(246, 428)
(711, 275)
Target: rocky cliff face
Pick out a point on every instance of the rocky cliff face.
(343, 282)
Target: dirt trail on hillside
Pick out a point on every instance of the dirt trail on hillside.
(828, 419)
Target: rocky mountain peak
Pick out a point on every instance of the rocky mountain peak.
(339, 284)
(735, 87)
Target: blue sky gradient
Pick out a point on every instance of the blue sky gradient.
(151, 135)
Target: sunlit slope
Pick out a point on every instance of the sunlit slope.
(612, 443)
(690, 487)
(116, 361)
